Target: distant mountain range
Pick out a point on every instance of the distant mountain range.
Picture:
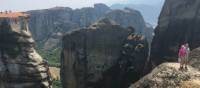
(48, 25)
(149, 12)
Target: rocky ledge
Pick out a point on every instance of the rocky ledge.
(167, 75)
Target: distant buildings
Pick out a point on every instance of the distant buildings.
(17, 20)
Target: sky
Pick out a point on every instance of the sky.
(25, 5)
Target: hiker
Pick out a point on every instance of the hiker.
(187, 55)
(182, 56)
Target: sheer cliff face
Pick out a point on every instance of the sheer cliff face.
(20, 64)
(128, 17)
(131, 18)
(92, 57)
(178, 23)
(47, 26)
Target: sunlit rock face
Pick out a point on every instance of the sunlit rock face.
(103, 55)
(20, 65)
(178, 24)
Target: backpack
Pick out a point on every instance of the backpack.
(182, 51)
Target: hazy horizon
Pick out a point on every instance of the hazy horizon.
(25, 5)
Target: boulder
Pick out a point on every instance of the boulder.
(101, 55)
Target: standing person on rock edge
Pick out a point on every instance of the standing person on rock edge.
(182, 56)
(187, 55)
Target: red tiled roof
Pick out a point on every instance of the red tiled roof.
(13, 15)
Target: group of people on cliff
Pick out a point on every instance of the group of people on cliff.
(183, 55)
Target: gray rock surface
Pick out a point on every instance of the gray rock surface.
(128, 17)
(44, 24)
(20, 65)
(194, 58)
(150, 12)
(103, 55)
(178, 24)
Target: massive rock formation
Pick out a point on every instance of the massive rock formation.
(103, 55)
(131, 18)
(128, 17)
(47, 26)
(20, 64)
(167, 75)
(178, 23)
(150, 12)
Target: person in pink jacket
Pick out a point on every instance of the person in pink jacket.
(182, 56)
